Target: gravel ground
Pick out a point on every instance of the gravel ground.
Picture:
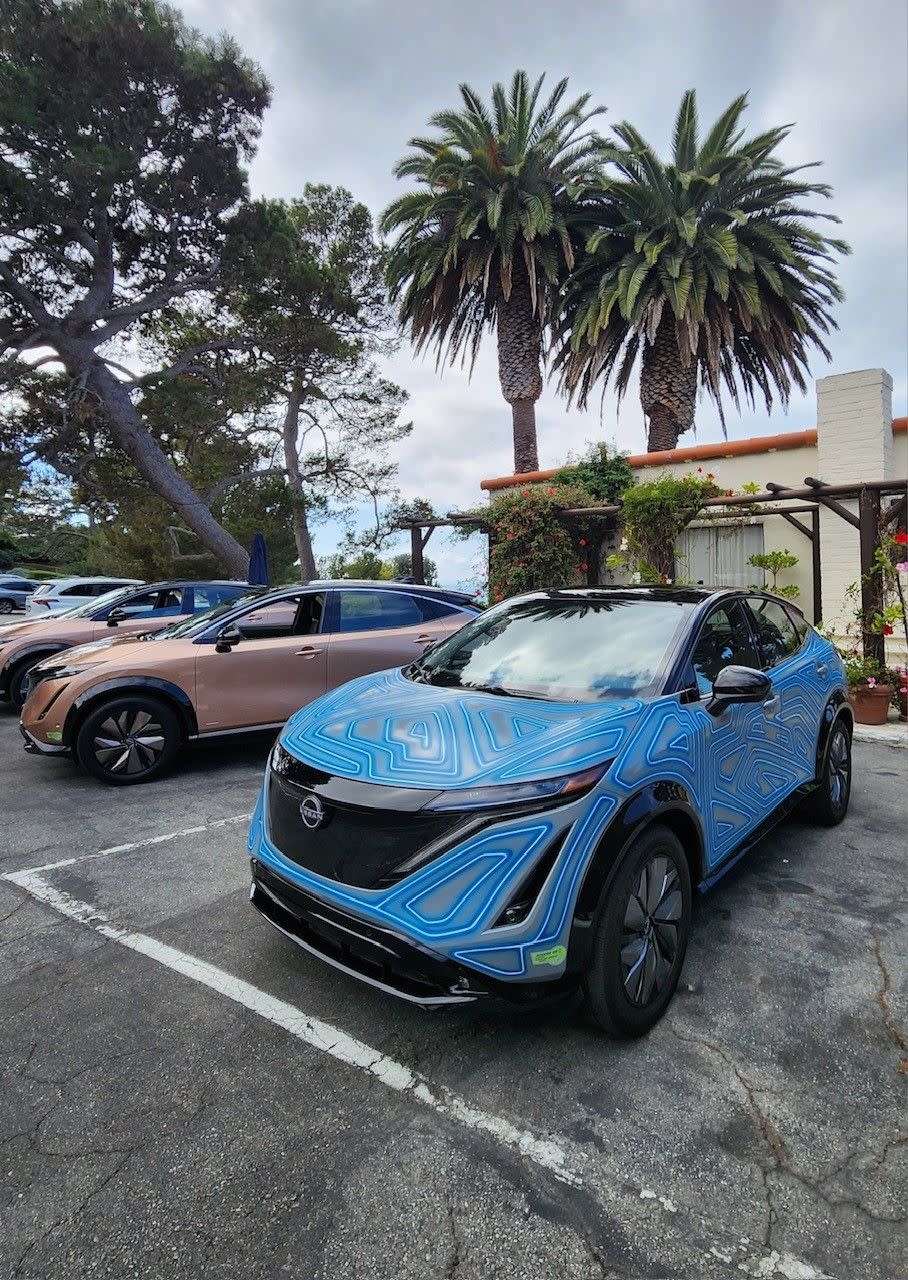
(155, 1125)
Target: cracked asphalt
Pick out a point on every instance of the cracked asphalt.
(150, 1127)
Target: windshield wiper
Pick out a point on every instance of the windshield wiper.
(501, 691)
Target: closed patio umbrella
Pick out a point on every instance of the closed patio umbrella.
(258, 562)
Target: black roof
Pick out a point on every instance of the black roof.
(682, 592)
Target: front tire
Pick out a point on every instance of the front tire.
(18, 676)
(640, 936)
(128, 740)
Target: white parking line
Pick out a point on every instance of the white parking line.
(311, 1031)
(139, 844)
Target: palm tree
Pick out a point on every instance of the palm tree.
(707, 267)
(488, 235)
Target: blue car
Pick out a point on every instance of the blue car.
(528, 808)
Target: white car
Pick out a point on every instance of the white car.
(66, 593)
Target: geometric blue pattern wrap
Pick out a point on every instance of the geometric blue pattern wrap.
(383, 728)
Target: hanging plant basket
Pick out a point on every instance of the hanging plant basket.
(871, 705)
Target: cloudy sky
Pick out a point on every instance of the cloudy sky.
(354, 79)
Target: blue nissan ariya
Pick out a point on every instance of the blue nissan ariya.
(529, 807)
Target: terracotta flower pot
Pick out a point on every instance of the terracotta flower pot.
(871, 706)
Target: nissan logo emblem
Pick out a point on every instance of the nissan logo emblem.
(312, 812)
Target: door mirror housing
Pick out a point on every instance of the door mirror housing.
(228, 636)
(116, 615)
(738, 684)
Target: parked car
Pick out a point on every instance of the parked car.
(527, 809)
(124, 611)
(14, 593)
(125, 710)
(69, 593)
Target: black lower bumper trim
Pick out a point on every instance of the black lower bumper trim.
(36, 748)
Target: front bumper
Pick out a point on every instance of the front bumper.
(35, 747)
(378, 956)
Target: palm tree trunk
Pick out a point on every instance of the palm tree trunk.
(523, 419)
(519, 355)
(301, 534)
(668, 387)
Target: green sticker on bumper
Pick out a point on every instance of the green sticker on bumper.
(554, 955)
(54, 735)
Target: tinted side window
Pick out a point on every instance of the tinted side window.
(270, 621)
(801, 625)
(205, 597)
(374, 610)
(433, 609)
(777, 638)
(724, 640)
(80, 589)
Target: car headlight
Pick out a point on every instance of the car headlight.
(60, 673)
(567, 787)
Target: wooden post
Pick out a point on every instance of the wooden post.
(871, 584)
(817, 569)
(417, 567)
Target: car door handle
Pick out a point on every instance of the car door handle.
(771, 705)
(309, 651)
(423, 639)
(822, 670)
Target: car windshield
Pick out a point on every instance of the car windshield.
(199, 621)
(97, 602)
(560, 647)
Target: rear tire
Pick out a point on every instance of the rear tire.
(6, 606)
(827, 805)
(640, 936)
(127, 740)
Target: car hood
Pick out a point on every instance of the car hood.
(38, 627)
(113, 650)
(385, 728)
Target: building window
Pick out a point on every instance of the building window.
(717, 555)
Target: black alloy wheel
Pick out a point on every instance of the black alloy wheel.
(829, 802)
(128, 740)
(6, 606)
(640, 935)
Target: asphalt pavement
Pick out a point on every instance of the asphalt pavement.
(187, 1094)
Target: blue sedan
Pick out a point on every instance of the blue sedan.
(529, 807)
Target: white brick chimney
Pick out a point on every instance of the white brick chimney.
(854, 443)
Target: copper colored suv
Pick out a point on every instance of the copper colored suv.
(123, 611)
(124, 710)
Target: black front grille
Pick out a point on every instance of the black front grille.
(357, 845)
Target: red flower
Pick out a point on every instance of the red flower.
(584, 567)
(499, 595)
(510, 536)
(887, 630)
(550, 490)
(583, 542)
(902, 539)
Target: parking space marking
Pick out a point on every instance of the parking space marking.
(311, 1031)
(139, 844)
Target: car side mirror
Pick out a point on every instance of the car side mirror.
(738, 684)
(116, 615)
(228, 636)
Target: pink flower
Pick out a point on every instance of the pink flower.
(550, 491)
(583, 542)
(584, 567)
(902, 566)
(871, 682)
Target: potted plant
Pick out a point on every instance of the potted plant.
(898, 678)
(868, 691)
